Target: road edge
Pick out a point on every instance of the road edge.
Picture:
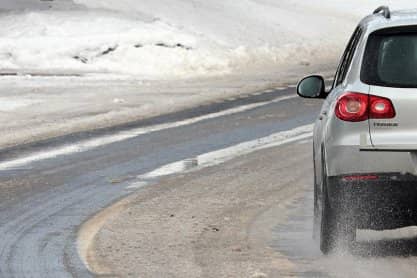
(90, 228)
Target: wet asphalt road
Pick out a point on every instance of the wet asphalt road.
(43, 204)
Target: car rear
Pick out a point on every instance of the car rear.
(371, 136)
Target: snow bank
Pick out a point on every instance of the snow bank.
(164, 39)
(82, 41)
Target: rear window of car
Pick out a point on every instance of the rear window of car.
(391, 58)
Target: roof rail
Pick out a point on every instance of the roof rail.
(385, 10)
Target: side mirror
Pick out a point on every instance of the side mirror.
(312, 87)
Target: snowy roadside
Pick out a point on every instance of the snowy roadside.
(175, 39)
(37, 108)
(166, 40)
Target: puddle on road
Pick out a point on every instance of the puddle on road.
(377, 254)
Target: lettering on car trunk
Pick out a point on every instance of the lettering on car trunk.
(386, 124)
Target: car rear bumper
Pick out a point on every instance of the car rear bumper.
(376, 201)
(343, 160)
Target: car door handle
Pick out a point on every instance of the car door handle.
(322, 115)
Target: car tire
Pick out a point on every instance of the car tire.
(338, 227)
(328, 234)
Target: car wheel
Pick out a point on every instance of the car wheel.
(338, 228)
(328, 235)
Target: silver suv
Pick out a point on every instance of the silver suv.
(365, 139)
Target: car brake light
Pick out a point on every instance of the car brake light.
(357, 107)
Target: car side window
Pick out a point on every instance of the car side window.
(347, 57)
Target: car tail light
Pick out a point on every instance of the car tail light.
(381, 108)
(352, 107)
(357, 107)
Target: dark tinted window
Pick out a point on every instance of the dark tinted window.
(391, 59)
